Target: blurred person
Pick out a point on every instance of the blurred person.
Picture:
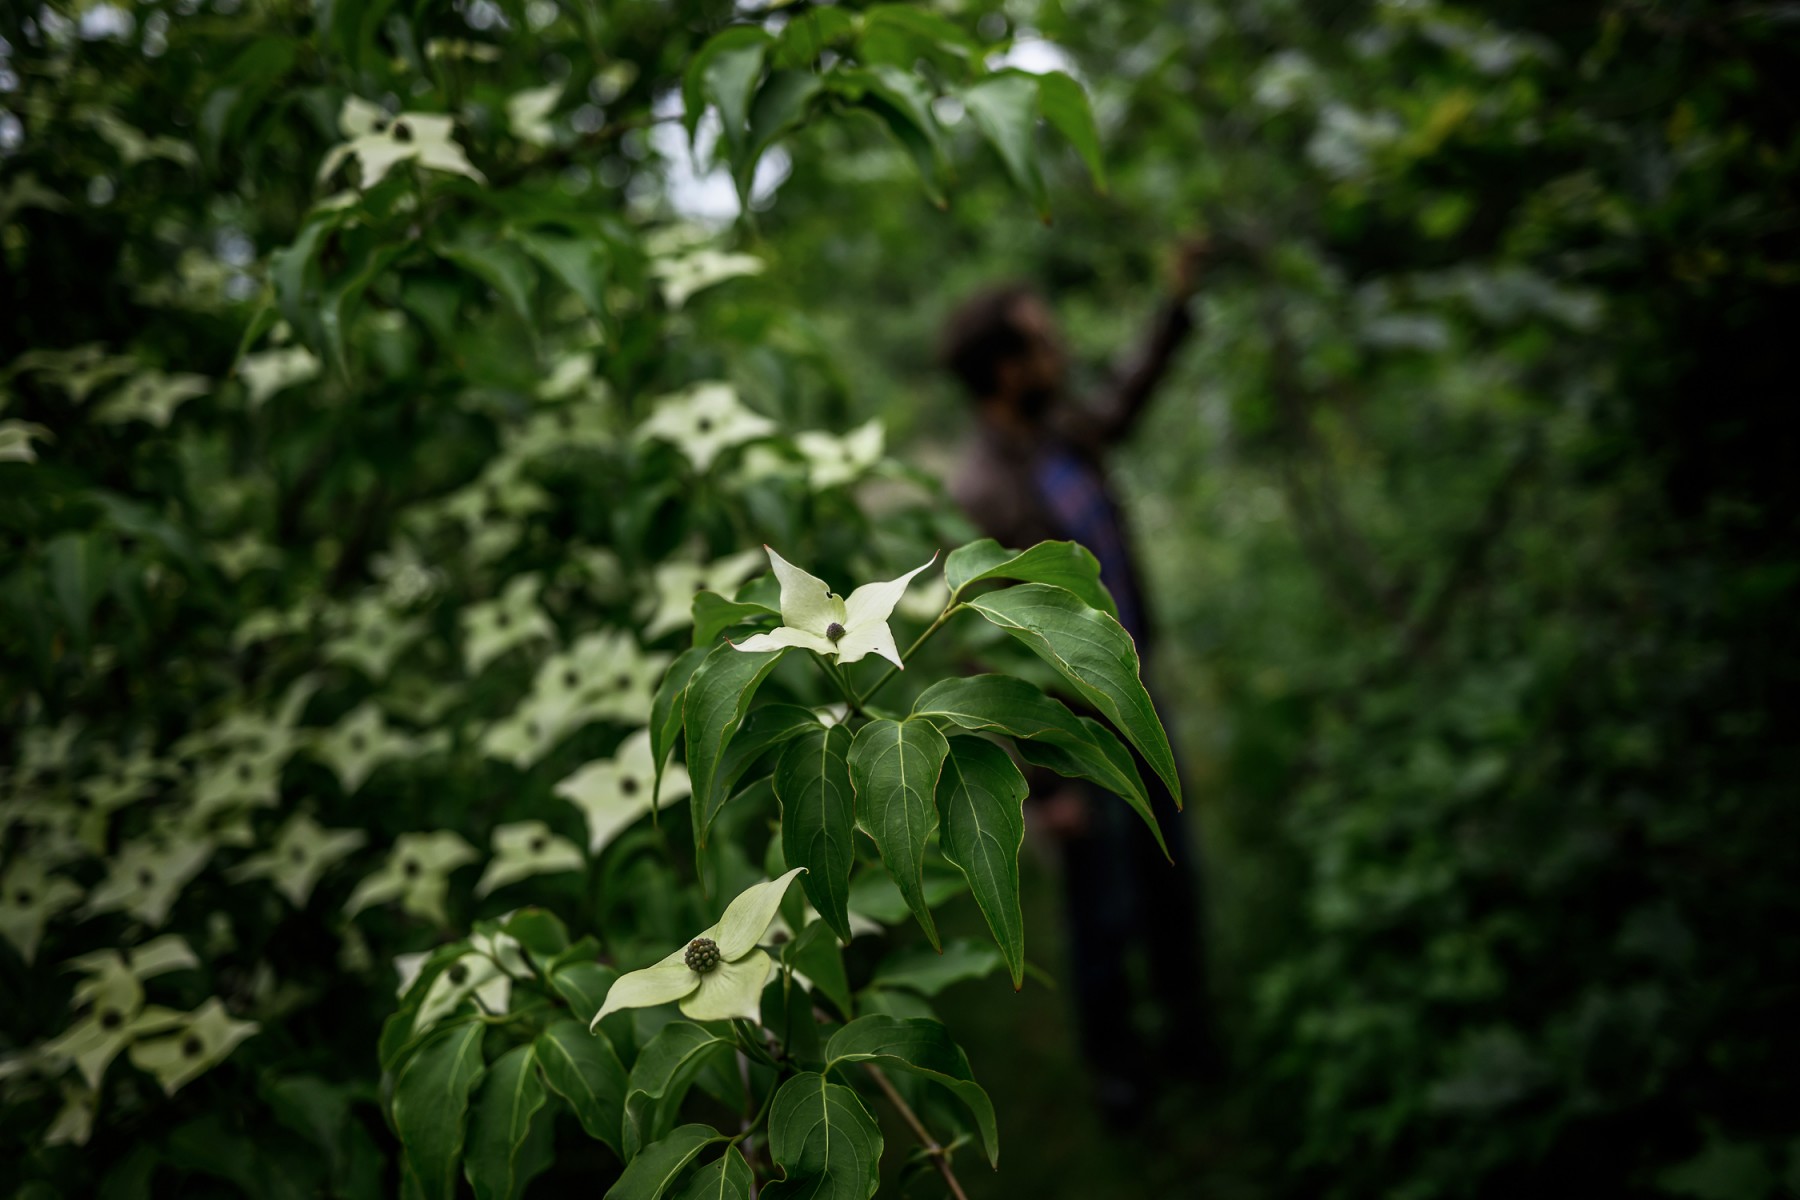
(1034, 469)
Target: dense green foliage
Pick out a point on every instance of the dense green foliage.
(1470, 524)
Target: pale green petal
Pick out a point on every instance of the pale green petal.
(747, 917)
(649, 987)
(783, 637)
(524, 849)
(730, 990)
(807, 602)
(209, 1037)
(874, 602)
(864, 640)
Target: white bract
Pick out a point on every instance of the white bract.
(378, 143)
(818, 619)
(729, 989)
(704, 421)
(613, 793)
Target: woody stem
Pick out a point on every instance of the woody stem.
(936, 1152)
(880, 683)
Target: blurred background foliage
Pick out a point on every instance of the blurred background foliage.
(1470, 517)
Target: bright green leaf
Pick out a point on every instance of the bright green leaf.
(818, 818)
(894, 767)
(981, 798)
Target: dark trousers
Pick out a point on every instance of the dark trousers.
(1125, 900)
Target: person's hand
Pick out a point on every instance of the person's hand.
(1189, 264)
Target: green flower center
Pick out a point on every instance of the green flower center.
(702, 955)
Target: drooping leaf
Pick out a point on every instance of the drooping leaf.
(1065, 105)
(666, 709)
(981, 798)
(714, 614)
(1045, 731)
(780, 107)
(1066, 564)
(665, 1069)
(655, 1169)
(1094, 654)
(765, 728)
(825, 1142)
(511, 1095)
(894, 767)
(928, 974)
(903, 104)
(1005, 109)
(725, 1178)
(582, 1068)
(717, 697)
(922, 1047)
(818, 819)
(721, 72)
(431, 1102)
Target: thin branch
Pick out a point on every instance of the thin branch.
(948, 612)
(937, 1153)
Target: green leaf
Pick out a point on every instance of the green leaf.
(538, 930)
(903, 104)
(816, 954)
(1094, 654)
(78, 564)
(660, 1078)
(499, 264)
(1065, 564)
(583, 264)
(807, 36)
(1047, 733)
(1065, 105)
(584, 986)
(901, 34)
(657, 1166)
(722, 73)
(894, 768)
(717, 697)
(922, 1047)
(825, 1142)
(714, 614)
(928, 974)
(781, 107)
(665, 709)
(511, 1096)
(981, 798)
(431, 1100)
(582, 1068)
(1005, 109)
(725, 1178)
(818, 819)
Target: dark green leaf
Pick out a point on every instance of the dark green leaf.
(818, 819)
(894, 767)
(928, 973)
(722, 72)
(1094, 654)
(582, 1068)
(499, 264)
(781, 106)
(538, 930)
(431, 1101)
(584, 986)
(815, 953)
(584, 264)
(925, 1048)
(1005, 109)
(714, 614)
(657, 1166)
(1065, 105)
(664, 1071)
(665, 708)
(725, 1178)
(510, 1097)
(1065, 564)
(825, 1142)
(981, 798)
(1047, 733)
(718, 695)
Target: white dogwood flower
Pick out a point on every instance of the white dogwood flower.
(818, 619)
(719, 974)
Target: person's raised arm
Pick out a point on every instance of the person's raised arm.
(1124, 401)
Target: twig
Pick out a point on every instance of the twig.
(948, 612)
(938, 1154)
